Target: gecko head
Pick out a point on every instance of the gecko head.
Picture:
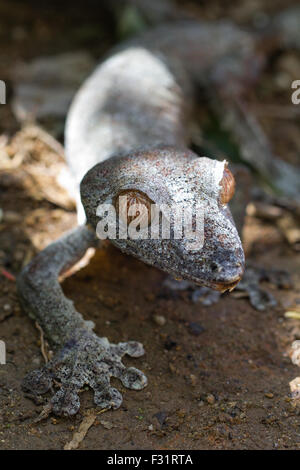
(169, 208)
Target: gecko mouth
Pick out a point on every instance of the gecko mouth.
(229, 282)
(224, 286)
(221, 286)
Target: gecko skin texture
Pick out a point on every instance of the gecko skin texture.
(127, 129)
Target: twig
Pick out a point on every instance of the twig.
(85, 425)
(8, 275)
(44, 413)
(47, 139)
(43, 349)
(292, 314)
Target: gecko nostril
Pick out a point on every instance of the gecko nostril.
(227, 271)
(215, 267)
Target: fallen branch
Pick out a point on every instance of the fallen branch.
(43, 348)
(85, 425)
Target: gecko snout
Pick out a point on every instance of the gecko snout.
(227, 274)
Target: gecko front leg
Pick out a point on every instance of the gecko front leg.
(82, 357)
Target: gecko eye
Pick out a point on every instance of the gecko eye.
(227, 186)
(132, 204)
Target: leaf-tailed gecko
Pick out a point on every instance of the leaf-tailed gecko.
(127, 133)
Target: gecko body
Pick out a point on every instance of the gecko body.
(127, 133)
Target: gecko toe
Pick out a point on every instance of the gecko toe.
(107, 397)
(37, 381)
(86, 359)
(132, 348)
(133, 378)
(65, 402)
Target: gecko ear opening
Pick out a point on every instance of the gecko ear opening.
(132, 204)
(227, 184)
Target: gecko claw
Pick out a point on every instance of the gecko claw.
(87, 359)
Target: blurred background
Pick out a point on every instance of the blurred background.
(219, 369)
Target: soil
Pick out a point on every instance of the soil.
(218, 376)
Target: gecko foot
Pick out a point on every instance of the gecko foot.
(205, 295)
(87, 359)
(260, 298)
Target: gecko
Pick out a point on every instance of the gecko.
(127, 133)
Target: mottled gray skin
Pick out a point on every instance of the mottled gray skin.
(83, 357)
(127, 129)
(172, 177)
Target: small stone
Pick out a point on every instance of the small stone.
(269, 395)
(295, 388)
(161, 417)
(6, 307)
(106, 424)
(195, 328)
(181, 413)
(159, 320)
(193, 379)
(170, 344)
(210, 399)
(151, 427)
(295, 353)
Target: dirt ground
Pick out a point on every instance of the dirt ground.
(219, 375)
